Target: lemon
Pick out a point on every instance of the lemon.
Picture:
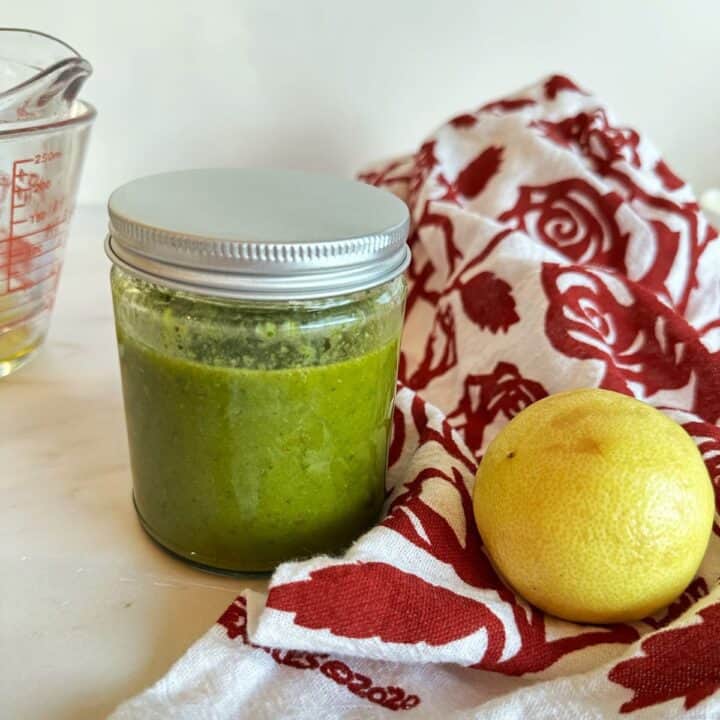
(594, 506)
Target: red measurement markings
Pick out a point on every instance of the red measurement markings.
(36, 254)
(5, 188)
(24, 186)
(13, 221)
(44, 157)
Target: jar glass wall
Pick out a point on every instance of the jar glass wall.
(258, 430)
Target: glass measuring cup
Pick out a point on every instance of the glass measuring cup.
(43, 135)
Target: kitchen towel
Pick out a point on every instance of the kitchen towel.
(552, 249)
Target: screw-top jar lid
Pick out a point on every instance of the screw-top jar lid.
(259, 234)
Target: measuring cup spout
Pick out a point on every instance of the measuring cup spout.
(40, 76)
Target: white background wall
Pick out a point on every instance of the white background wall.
(332, 84)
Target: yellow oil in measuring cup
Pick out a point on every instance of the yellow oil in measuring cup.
(42, 147)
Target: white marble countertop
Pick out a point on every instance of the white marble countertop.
(91, 611)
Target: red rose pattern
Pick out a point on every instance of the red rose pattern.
(502, 392)
(594, 138)
(493, 308)
(575, 219)
(639, 339)
(614, 154)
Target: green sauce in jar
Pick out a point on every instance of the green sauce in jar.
(258, 432)
(258, 316)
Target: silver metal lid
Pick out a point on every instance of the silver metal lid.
(260, 234)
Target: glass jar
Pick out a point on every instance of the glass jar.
(258, 415)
